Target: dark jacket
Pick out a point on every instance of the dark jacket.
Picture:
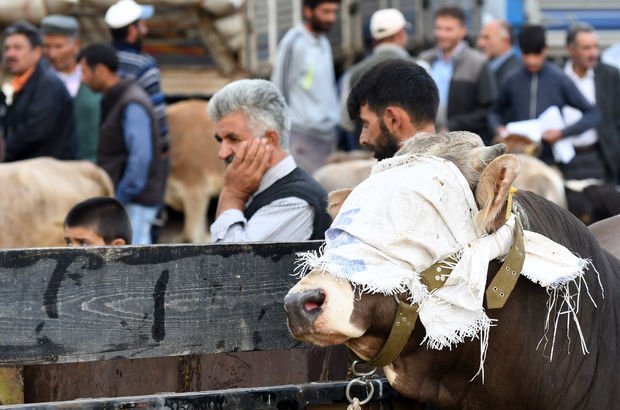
(511, 64)
(472, 91)
(607, 90)
(551, 87)
(300, 185)
(40, 122)
(112, 153)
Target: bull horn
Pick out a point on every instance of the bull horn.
(482, 156)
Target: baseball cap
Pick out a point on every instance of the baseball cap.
(125, 12)
(386, 22)
(60, 24)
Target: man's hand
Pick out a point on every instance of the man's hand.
(243, 175)
(552, 136)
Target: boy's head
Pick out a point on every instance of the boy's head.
(533, 47)
(96, 222)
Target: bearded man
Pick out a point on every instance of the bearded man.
(394, 100)
(304, 73)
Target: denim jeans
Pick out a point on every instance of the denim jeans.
(142, 218)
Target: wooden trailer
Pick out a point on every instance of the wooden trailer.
(164, 326)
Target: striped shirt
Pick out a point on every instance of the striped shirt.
(288, 219)
(143, 69)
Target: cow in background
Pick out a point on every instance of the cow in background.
(196, 173)
(38, 193)
(347, 170)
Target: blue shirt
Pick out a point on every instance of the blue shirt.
(442, 71)
(137, 133)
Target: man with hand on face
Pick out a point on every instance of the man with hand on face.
(265, 196)
(394, 100)
(304, 73)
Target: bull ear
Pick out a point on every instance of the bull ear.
(335, 199)
(482, 156)
(492, 192)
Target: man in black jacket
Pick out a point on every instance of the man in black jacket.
(39, 111)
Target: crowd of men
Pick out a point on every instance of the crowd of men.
(104, 103)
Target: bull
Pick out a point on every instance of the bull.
(522, 364)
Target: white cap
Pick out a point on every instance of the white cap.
(125, 12)
(386, 22)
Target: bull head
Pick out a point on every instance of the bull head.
(325, 310)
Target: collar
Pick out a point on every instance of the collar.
(569, 71)
(390, 47)
(496, 63)
(435, 277)
(122, 45)
(455, 53)
(20, 81)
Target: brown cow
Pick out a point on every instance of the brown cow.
(325, 310)
(196, 172)
(38, 193)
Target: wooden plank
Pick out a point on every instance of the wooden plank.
(70, 305)
(263, 398)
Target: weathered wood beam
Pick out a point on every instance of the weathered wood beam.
(262, 398)
(70, 305)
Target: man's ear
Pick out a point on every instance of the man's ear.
(118, 242)
(335, 199)
(272, 138)
(392, 117)
(492, 192)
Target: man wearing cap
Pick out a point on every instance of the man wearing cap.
(125, 19)
(39, 111)
(466, 84)
(389, 34)
(304, 73)
(61, 46)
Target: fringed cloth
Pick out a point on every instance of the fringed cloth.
(416, 210)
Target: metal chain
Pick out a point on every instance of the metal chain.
(360, 380)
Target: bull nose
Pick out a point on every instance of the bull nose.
(303, 307)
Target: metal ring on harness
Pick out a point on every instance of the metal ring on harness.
(370, 389)
(358, 373)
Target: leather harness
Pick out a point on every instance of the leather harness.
(435, 277)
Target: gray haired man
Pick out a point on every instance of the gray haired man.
(265, 196)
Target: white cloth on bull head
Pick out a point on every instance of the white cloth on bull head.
(416, 210)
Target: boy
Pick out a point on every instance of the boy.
(97, 221)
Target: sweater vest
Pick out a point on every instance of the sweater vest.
(300, 185)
